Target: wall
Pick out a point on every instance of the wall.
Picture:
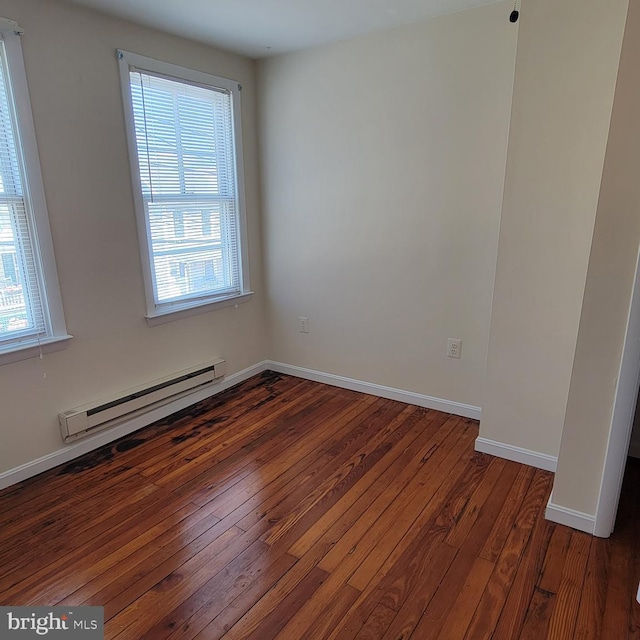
(383, 163)
(610, 278)
(77, 106)
(567, 61)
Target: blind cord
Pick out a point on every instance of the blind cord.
(44, 373)
(146, 136)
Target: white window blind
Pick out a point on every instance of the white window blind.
(185, 142)
(28, 282)
(21, 309)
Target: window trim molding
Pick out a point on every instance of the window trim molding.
(33, 349)
(159, 314)
(34, 194)
(169, 315)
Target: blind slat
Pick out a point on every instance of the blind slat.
(184, 138)
(22, 314)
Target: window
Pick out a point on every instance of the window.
(31, 317)
(186, 156)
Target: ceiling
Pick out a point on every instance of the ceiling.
(259, 28)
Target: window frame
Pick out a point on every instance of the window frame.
(166, 312)
(56, 336)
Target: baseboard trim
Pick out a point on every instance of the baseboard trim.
(77, 449)
(72, 451)
(439, 404)
(570, 518)
(517, 454)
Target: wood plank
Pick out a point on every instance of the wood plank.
(276, 608)
(274, 465)
(96, 467)
(594, 593)
(162, 551)
(286, 508)
(303, 427)
(377, 623)
(538, 615)
(202, 425)
(354, 498)
(176, 587)
(219, 626)
(47, 526)
(251, 567)
(252, 427)
(617, 619)
(87, 526)
(435, 615)
(565, 611)
(233, 457)
(622, 584)
(499, 585)
(417, 517)
(554, 559)
(145, 578)
(367, 490)
(59, 491)
(401, 580)
(269, 490)
(325, 541)
(540, 608)
(330, 490)
(466, 520)
(419, 596)
(353, 430)
(464, 605)
(380, 515)
(339, 574)
(330, 615)
(52, 584)
(513, 612)
(502, 527)
(387, 583)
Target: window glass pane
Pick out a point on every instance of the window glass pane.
(184, 138)
(21, 310)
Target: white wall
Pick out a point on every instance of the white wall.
(383, 168)
(567, 62)
(74, 84)
(383, 162)
(612, 267)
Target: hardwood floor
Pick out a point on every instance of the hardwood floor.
(287, 509)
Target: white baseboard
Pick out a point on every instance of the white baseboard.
(457, 408)
(72, 451)
(517, 454)
(77, 449)
(570, 518)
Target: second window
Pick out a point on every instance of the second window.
(184, 127)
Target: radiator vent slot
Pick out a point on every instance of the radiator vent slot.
(110, 412)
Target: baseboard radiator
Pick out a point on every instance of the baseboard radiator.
(110, 412)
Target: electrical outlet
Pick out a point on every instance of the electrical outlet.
(304, 324)
(454, 347)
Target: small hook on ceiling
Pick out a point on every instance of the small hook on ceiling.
(515, 14)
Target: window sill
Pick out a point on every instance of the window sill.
(29, 350)
(163, 316)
